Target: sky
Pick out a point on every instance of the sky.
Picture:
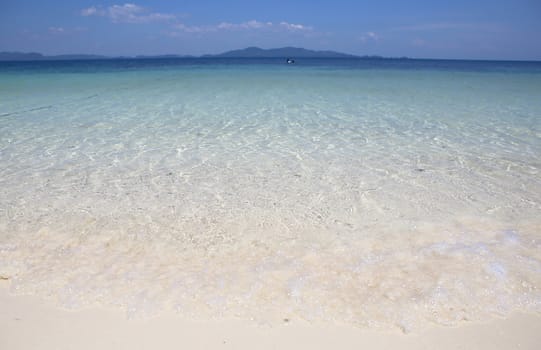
(456, 29)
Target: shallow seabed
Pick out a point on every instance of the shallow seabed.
(377, 196)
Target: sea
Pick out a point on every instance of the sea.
(375, 193)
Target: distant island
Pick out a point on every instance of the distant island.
(297, 52)
(34, 56)
(249, 52)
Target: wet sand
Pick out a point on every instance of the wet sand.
(28, 322)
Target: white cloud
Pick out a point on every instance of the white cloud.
(89, 11)
(132, 13)
(369, 36)
(65, 31)
(249, 25)
(253, 24)
(294, 27)
(56, 30)
(128, 13)
(192, 29)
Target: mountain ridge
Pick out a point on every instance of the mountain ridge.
(282, 52)
(36, 56)
(249, 52)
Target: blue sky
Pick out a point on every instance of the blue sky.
(483, 29)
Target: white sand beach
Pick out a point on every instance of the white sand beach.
(28, 322)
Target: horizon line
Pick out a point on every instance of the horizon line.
(216, 55)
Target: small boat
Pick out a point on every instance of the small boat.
(290, 61)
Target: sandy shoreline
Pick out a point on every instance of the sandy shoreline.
(28, 322)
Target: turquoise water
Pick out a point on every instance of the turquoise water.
(379, 193)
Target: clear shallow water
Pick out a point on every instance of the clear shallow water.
(374, 193)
